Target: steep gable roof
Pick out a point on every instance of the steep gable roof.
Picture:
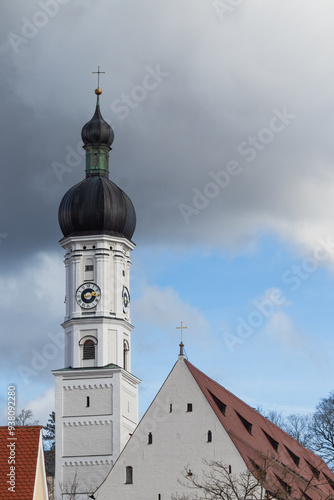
(27, 444)
(286, 464)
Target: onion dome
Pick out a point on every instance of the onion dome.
(97, 130)
(96, 205)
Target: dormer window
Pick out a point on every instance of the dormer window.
(315, 471)
(294, 457)
(220, 404)
(271, 440)
(245, 423)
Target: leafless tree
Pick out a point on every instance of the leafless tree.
(69, 489)
(276, 417)
(322, 428)
(24, 417)
(299, 427)
(216, 482)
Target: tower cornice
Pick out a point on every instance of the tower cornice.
(93, 238)
(96, 319)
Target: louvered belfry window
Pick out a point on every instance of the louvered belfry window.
(89, 350)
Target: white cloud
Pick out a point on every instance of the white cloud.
(164, 309)
(41, 406)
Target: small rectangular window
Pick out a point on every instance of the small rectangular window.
(87, 402)
(150, 438)
(189, 407)
(209, 436)
(89, 268)
(170, 408)
(128, 475)
(230, 469)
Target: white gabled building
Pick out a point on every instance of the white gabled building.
(193, 419)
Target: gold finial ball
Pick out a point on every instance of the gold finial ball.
(98, 91)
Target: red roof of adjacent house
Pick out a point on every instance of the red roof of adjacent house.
(25, 454)
(265, 447)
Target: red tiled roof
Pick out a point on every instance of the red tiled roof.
(26, 454)
(262, 444)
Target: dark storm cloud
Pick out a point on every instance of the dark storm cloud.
(184, 89)
(194, 95)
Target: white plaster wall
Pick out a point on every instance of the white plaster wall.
(129, 401)
(179, 441)
(112, 346)
(75, 400)
(87, 438)
(88, 474)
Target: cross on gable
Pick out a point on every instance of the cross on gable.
(181, 328)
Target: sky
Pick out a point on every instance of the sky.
(223, 119)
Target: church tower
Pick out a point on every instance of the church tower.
(96, 394)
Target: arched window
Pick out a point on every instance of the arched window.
(89, 350)
(125, 354)
(149, 438)
(209, 436)
(128, 475)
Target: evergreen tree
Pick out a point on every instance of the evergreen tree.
(49, 436)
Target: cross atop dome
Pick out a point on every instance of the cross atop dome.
(98, 91)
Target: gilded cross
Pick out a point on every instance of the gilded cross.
(181, 328)
(98, 75)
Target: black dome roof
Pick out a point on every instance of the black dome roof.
(97, 130)
(96, 206)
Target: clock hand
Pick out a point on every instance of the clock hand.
(91, 294)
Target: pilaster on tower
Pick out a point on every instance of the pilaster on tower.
(96, 394)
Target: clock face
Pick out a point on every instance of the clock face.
(88, 295)
(126, 299)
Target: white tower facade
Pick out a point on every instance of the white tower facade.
(96, 394)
